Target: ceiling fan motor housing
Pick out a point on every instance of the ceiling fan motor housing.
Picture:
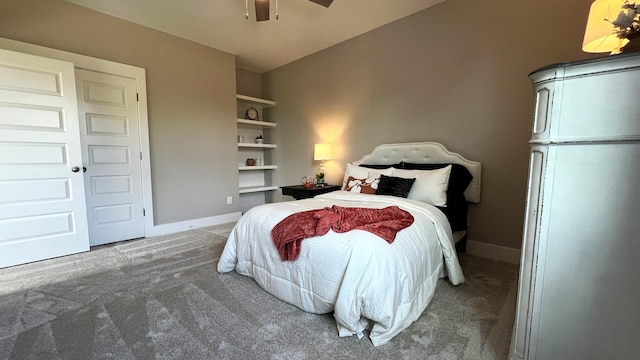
(262, 8)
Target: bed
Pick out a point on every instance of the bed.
(373, 286)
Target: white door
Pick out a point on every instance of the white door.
(42, 204)
(109, 127)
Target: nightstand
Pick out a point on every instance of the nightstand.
(300, 192)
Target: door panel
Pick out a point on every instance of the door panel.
(42, 204)
(110, 139)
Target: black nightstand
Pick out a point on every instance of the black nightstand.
(300, 192)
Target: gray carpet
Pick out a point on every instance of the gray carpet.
(161, 298)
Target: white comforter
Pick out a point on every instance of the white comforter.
(360, 277)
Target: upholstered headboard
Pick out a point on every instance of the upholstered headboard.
(425, 153)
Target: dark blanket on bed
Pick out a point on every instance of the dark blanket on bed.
(288, 234)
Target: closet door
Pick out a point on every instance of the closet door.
(110, 137)
(42, 201)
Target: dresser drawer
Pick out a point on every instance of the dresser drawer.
(587, 101)
(604, 106)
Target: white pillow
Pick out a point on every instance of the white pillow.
(359, 172)
(430, 185)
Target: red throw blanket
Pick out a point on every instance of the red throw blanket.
(289, 233)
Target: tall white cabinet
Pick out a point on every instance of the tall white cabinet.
(579, 289)
(254, 178)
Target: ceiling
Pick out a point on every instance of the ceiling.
(302, 28)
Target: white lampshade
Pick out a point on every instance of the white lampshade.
(599, 35)
(322, 152)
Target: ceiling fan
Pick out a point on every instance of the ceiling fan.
(262, 8)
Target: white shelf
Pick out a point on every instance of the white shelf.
(265, 124)
(248, 190)
(254, 182)
(263, 167)
(254, 100)
(258, 146)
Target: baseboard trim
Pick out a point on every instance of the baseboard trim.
(495, 252)
(172, 228)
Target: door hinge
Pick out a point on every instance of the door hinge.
(144, 212)
(137, 97)
(140, 155)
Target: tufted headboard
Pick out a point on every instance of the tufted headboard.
(425, 153)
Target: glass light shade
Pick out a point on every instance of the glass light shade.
(599, 35)
(322, 152)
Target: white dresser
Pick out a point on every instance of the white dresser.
(579, 289)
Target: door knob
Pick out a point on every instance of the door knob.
(84, 169)
(75, 169)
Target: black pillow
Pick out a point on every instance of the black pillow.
(395, 186)
(459, 178)
(376, 166)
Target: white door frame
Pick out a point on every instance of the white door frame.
(108, 67)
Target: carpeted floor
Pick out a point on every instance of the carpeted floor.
(161, 298)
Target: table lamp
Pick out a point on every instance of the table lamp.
(599, 36)
(321, 152)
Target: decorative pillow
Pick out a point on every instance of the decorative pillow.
(363, 186)
(458, 181)
(457, 206)
(395, 186)
(359, 172)
(430, 185)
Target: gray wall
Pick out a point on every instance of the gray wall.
(191, 97)
(249, 83)
(455, 73)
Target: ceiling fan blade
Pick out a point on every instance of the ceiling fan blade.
(262, 10)
(324, 3)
